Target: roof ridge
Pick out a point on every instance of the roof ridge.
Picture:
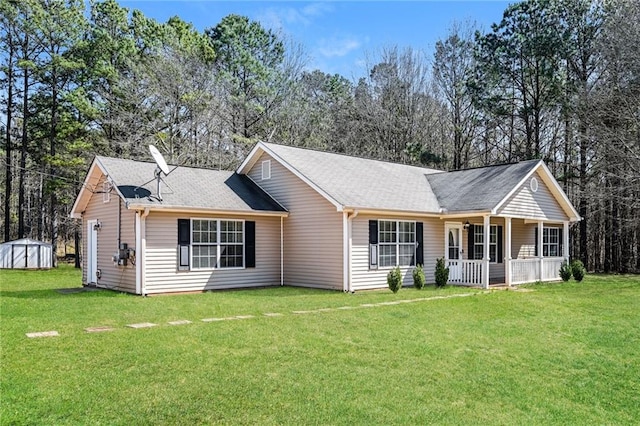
(351, 156)
(170, 164)
(494, 165)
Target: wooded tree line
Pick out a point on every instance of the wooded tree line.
(554, 79)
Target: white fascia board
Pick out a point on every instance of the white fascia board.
(250, 159)
(82, 199)
(516, 187)
(465, 214)
(390, 212)
(558, 192)
(554, 187)
(300, 176)
(189, 210)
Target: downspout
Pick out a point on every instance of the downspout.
(141, 247)
(281, 251)
(350, 220)
(347, 219)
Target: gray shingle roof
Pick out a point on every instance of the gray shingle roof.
(478, 189)
(188, 187)
(362, 183)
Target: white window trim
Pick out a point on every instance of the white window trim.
(217, 244)
(397, 244)
(546, 243)
(491, 226)
(266, 166)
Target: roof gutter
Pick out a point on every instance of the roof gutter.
(182, 209)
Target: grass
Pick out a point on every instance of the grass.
(563, 353)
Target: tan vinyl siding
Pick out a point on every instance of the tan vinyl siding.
(122, 278)
(535, 205)
(523, 243)
(312, 232)
(363, 278)
(162, 275)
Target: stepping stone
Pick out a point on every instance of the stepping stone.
(179, 322)
(212, 319)
(42, 334)
(272, 314)
(142, 325)
(98, 329)
(244, 316)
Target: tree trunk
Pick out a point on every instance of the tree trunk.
(8, 161)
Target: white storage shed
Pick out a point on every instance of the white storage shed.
(25, 254)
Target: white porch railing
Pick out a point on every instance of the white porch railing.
(551, 268)
(465, 272)
(528, 270)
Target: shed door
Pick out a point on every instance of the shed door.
(92, 252)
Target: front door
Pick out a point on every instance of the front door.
(92, 252)
(453, 250)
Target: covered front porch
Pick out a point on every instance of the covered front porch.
(517, 250)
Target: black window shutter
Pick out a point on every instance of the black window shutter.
(500, 245)
(373, 232)
(419, 246)
(250, 244)
(183, 232)
(184, 240)
(536, 237)
(561, 242)
(470, 246)
(373, 244)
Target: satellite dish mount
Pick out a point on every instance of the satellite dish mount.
(161, 168)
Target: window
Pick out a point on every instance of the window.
(551, 242)
(217, 244)
(266, 169)
(494, 243)
(396, 243)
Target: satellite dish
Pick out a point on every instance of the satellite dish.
(159, 159)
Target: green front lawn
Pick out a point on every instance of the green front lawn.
(563, 353)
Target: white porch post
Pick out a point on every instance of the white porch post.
(507, 251)
(485, 250)
(565, 242)
(540, 251)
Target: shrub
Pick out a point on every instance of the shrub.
(442, 273)
(394, 279)
(419, 279)
(578, 270)
(565, 271)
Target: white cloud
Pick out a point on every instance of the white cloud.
(337, 47)
(317, 9)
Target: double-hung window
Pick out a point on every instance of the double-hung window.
(551, 242)
(478, 243)
(397, 243)
(217, 243)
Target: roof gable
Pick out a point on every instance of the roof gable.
(480, 189)
(354, 183)
(185, 188)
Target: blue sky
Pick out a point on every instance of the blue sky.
(338, 36)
